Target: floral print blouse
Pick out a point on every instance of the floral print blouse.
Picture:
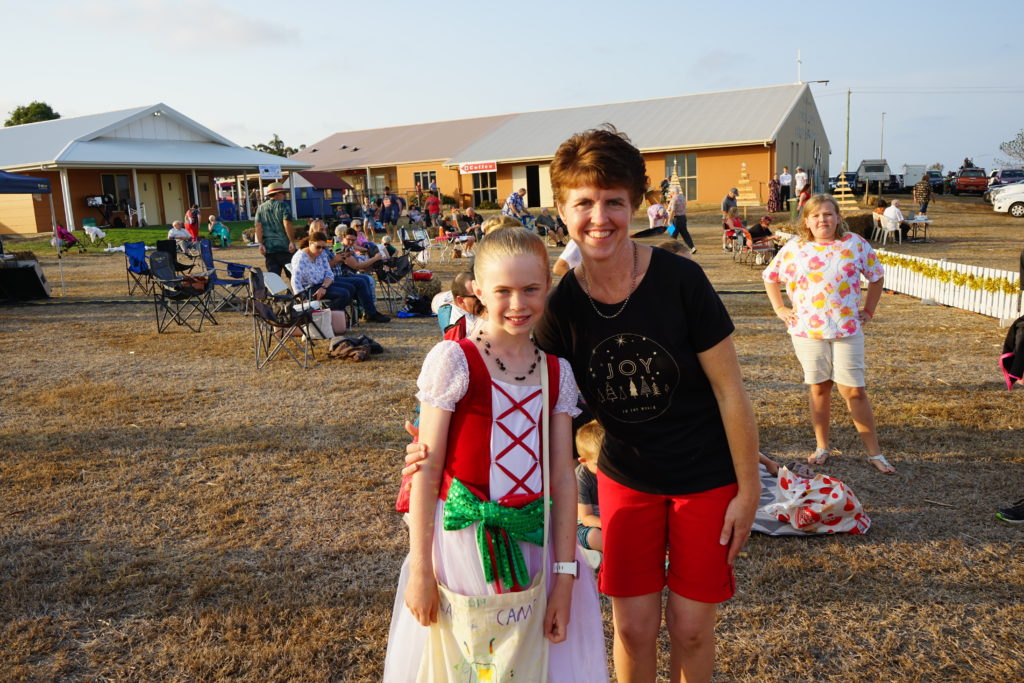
(823, 283)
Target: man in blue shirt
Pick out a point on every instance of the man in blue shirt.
(515, 207)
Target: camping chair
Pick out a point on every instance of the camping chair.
(395, 283)
(224, 290)
(277, 326)
(754, 252)
(136, 269)
(94, 233)
(171, 247)
(65, 240)
(175, 299)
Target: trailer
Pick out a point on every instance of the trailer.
(912, 174)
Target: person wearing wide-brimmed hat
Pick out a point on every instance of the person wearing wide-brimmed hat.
(274, 231)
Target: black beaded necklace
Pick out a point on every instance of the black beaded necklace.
(501, 364)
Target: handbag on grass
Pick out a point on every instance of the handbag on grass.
(817, 505)
(497, 638)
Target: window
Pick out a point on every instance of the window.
(424, 178)
(117, 186)
(485, 187)
(303, 194)
(328, 194)
(685, 166)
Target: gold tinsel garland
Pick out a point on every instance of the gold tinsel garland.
(934, 272)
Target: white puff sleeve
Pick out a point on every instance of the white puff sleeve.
(567, 391)
(444, 378)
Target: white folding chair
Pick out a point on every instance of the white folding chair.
(876, 226)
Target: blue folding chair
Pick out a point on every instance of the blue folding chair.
(227, 290)
(137, 270)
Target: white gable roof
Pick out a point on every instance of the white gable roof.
(154, 136)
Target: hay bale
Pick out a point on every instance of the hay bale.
(859, 223)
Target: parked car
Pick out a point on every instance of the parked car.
(970, 180)
(935, 178)
(993, 192)
(1010, 200)
(851, 180)
(1005, 176)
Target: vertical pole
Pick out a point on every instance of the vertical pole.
(846, 157)
(248, 204)
(291, 192)
(65, 193)
(881, 139)
(195, 189)
(135, 191)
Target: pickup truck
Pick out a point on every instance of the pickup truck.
(970, 180)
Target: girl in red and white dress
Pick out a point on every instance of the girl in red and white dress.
(480, 418)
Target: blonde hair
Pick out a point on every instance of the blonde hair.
(510, 242)
(499, 222)
(588, 440)
(810, 206)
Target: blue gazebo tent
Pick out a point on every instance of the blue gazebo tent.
(12, 183)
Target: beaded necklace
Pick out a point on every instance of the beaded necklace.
(501, 364)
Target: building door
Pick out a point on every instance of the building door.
(170, 188)
(149, 198)
(532, 186)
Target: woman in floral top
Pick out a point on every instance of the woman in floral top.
(822, 270)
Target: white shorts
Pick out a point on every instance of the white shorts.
(840, 360)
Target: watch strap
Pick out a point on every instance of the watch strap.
(572, 568)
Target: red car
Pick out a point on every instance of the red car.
(970, 180)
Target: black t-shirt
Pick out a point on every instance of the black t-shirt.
(640, 375)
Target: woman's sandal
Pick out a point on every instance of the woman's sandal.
(820, 456)
(880, 463)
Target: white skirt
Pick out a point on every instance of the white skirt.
(580, 657)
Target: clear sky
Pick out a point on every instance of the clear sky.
(949, 75)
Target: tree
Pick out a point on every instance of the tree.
(30, 113)
(1014, 149)
(276, 146)
(937, 166)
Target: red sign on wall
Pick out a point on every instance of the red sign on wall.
(478, 167)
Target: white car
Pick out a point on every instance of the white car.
(1010, 199)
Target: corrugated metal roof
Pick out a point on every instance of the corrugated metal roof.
(85, 141)
(397, 144)
(718, 119)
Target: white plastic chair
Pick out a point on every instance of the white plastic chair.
(890, 226)
(876, 226)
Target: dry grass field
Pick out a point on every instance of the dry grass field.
(168, 512)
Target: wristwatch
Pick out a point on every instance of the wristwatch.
(572, 568)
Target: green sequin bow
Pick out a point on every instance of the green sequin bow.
(499, 529)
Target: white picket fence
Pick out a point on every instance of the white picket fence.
(995, 304)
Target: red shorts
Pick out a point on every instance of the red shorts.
(637, 527)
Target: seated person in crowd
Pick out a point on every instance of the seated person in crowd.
(416, 216)
(762, 232)
(179, 233)
(894, 215)
(570, 257)
(545, 224)
(313, 280)
(249, 237)
(458, 308)
(464, 235)
(387, 250)
(349, 270)
(554, 226)
(475, 220)
(218, 231)
(676, 247)
(588, 513)
(732, 222)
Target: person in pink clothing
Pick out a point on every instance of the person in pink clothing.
(822, 269)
